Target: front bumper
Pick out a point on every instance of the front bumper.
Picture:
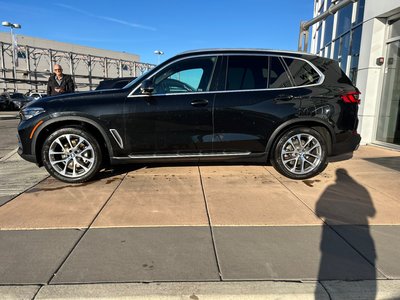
(27, 157)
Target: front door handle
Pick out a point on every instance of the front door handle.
(200, 102)
(284, 97)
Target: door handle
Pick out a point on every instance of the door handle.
(284, 97)
(200, 102)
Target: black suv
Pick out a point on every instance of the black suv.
(293, 109)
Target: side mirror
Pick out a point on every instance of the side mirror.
(147, 87)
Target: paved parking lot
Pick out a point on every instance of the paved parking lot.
(8, 133)
(229, 223)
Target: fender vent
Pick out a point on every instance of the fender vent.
(117, 138)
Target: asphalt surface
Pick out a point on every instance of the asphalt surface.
(203, 232)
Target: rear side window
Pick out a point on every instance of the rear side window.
(247, 73)
(301, 72)
(278, 77)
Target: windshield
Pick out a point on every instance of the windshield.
(16, 96)
(136, 80)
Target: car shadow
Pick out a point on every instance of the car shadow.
(345, 207)
(116, 170)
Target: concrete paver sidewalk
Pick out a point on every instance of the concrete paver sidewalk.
(214, 225)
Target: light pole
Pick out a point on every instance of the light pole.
(13, 44)
(158, 53)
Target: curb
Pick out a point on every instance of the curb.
(7, 115)
(368, 289)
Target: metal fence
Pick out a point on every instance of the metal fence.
(28, 68)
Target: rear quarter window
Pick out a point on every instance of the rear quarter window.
(301, 71)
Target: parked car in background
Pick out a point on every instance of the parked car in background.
(3, 103)
(15, 101)
(115, 83)
(288, 108)
(36, 95)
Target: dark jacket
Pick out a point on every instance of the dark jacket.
(67, 84)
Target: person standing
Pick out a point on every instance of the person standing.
(59, 83)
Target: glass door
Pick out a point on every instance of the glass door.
(388, 130)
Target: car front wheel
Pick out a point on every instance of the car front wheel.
(300, 153)
(71, 155)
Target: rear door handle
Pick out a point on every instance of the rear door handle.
(200, 102)
(284, 97)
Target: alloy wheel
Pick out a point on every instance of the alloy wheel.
(71, 155)
(301, 153)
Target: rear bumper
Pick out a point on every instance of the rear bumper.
(350, 144)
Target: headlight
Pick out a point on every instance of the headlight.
(30, 112)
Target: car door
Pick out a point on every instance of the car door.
(176, 119)
(258, 96)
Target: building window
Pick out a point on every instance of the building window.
(319, 34)
(344, 19)
(328, 27)
(336, 50)
(394, 29)
(355, 52)
(328, 50)
(360, 11)
(388, 130)
(21, 54)
(344, 51)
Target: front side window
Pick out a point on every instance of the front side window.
(301, 72)
(186, 76)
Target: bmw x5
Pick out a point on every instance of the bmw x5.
(292, 109)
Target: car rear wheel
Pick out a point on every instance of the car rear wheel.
(300, 153)
(71, 155)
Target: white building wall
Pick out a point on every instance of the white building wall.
(370, 75)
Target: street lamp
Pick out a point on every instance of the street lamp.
(13, 44)
(159, 53)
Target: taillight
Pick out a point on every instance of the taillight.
(351, 97)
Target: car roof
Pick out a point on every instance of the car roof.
(245, 51)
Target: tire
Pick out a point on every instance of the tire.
(300, 153)
(71, 155)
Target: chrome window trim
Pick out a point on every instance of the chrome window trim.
(320, 81)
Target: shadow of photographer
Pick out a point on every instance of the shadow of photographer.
(345, 207)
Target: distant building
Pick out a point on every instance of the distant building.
(36, 58)
(365, 38)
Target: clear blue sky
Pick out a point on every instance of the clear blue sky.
(173, 26)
